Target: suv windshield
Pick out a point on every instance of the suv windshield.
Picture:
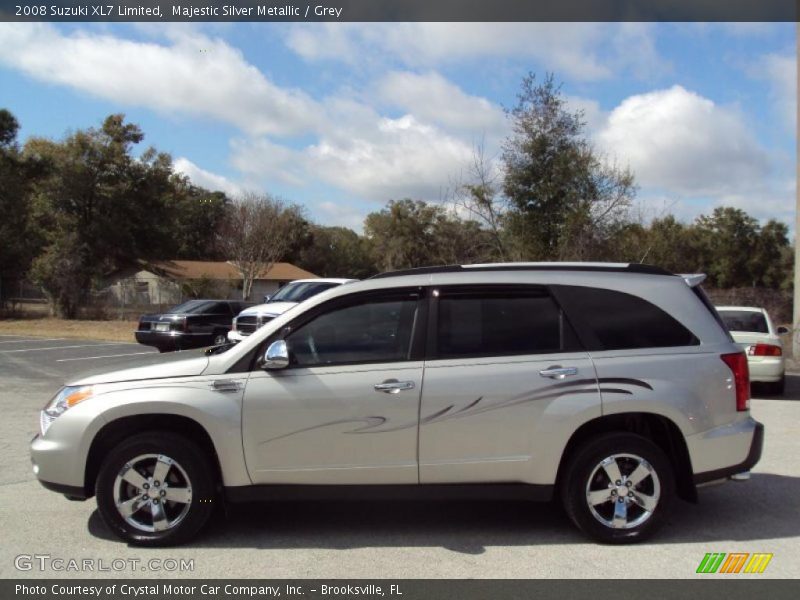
(297, 292)
(744, 320)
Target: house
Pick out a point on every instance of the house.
(172, 281)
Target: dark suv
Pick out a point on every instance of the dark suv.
(192, 324)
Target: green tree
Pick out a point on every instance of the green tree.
(198, 215)
(564, 200)
(19, 242)
(769, 265)
(411, 233)
(727, 241)
(672, 245)
(98, 208)
(336, 252)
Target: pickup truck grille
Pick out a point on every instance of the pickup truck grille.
(247, 325)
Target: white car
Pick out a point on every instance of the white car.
(753, 330)
(290, 295)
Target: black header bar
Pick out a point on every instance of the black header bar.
(401, 10)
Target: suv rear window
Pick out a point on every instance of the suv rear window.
(500, 322)
(622, 321)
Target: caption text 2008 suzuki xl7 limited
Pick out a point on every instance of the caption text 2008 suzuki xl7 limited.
(612, 387)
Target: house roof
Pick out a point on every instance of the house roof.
(198, 269)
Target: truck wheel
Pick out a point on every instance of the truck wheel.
(618, 488)
(156, 489)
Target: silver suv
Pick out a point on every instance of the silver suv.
(613, 387)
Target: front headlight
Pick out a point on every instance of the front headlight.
(65, 399)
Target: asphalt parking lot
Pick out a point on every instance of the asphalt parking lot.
(389, 539)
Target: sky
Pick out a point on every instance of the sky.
(343, 117)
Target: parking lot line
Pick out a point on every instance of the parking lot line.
(106, 356)
(31, 340)
(65, 347)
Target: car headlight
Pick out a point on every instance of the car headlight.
(65, 399)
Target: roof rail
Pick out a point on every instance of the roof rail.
(531, 266)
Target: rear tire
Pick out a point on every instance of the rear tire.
(156, 489)
(618, 488)
(220, 337)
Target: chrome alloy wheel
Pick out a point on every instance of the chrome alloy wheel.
(623, 491)
(152, 493)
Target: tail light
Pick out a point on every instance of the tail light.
(765, 350)
(737, 363)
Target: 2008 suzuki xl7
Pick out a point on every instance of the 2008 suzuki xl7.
(615, 387)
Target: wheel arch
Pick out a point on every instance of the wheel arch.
(121, 428)
(657, 428)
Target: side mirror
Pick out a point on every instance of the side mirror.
(783, 330)
(267, 297)
(276, 357)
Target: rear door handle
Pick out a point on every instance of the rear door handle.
(392, 386)
(557, 372)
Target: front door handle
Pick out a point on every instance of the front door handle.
(558, 372)
(392, 386)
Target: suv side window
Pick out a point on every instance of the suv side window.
(368, 331)
(500, 321)
(217, 308)
(620, 321)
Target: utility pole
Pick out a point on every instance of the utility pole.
(796, 311)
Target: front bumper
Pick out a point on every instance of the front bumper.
(46, 459)
(753, 456)
(235, 336)
(174, 340)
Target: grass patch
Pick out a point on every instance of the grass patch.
(112, 331)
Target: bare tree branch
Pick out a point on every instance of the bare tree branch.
(256, 234)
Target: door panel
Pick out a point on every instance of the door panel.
(322, 420)
(479, 417)
(328, 425)
(504, 371)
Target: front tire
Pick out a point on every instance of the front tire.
(618, 488)
(220, 338)
(156, 489)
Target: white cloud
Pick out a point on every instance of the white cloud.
(397, 158)
(206, 179)
(780, 71)
(594, 116)
(586, 51)
(193, 74)
(680, 141)
(263, 159)
(383, 159)
(432, 98)
(344, 215)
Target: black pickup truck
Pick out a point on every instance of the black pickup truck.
(192, 324)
